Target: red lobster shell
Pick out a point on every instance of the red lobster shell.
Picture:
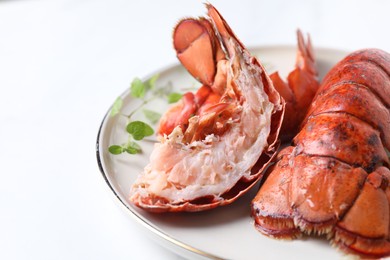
(335, 178)
(225, 135)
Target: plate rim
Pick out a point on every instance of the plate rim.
(154, 230)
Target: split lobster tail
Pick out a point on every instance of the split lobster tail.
(335, 178)
(216, 142)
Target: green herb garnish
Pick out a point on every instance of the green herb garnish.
(152, 116)
(116, 149)
(138, 130)
(116, 107)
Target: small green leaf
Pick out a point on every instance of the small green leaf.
(137, 88)
(139, 130)
(174, 97)
(116, 107)
(151, 83)
(115, 149)
(152, 116)
(133, 148)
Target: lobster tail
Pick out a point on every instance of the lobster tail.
(334, 179)
(215, 142)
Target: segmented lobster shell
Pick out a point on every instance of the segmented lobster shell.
(335, 178)
(194, 174)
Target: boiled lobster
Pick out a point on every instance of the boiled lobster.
(335, 178)
(215, 144)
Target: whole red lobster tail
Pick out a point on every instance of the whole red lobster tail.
(335, 178)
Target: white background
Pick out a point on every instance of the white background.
(62, 64)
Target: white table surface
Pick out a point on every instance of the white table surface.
(62, 64)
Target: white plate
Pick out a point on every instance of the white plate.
(226, 232)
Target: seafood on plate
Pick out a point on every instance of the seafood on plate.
(335, 180)
(215, 143)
